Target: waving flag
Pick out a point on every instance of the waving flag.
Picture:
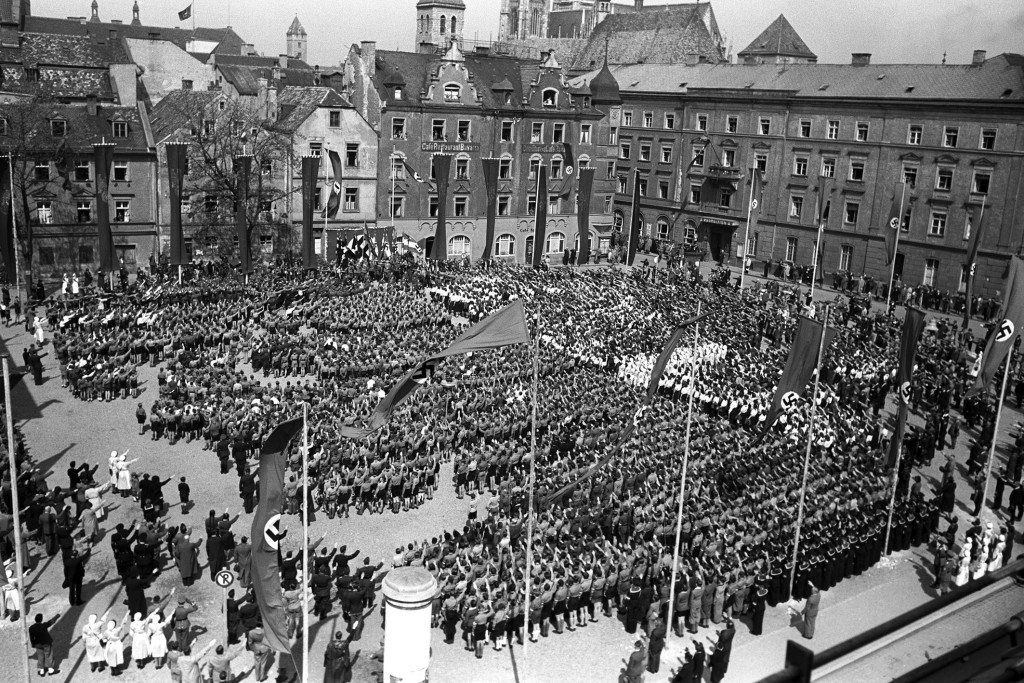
(334, 201)
(586, 185)
(443, 166)
(913, 324)
(491, 167)
(892, 225)
(541, 216)
(412, 172)
(185, 13)
(634, 221)
(1000, 340)
(973, 244)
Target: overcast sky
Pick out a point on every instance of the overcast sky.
(893, 30)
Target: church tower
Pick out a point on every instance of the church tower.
(438, 22)
(296, 40)
(522, 19)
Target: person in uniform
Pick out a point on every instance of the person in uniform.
(811, 611)
(181, 622)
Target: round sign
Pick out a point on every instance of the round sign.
(272, 532)
(790, 400)
(224, 578)
(1005, 330)
(905, 392)
(569, 170)
(894, 222)
(753, 203)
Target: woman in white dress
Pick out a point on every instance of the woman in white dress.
(64, 284)
(74, 284)
(92, 636)
(114, 649)
(997, 554)
(963, 574)
(112, 466)
(39, 334)
(11, 600)
(157, 638)
(139, 631)
(94, 496)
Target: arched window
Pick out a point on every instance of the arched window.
(454, 24)
(618, 220)
(529, 247)
(505, 246)
(549, 98)
(535, 162)
(662, 228)
(555, 243)
(452, 92)
(459, 245)
(443, 23)
(583, 161)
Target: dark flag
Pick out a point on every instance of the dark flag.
(491, 188)
(756, 190)
(568, 170)
(507, 326)
(412, 172)
(913, 324)
(266, 535)
(634, 220)
(185, 13)
(334, 201)
(1000, 341)
(973, 244)
(659, 365)
(586, 185)
(892, 225)
(103, 155)
(541, 216)
(177, 161)
(443, 168)
(310, 168)
(241, 212)
(800, 365)
(7, 248)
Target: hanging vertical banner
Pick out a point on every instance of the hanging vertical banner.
(334, 202)
(585, 181)
(7, 221)
(634, 220)
(541, 215)
(1001, 338)
(177, 164)
(443, 169)
(913, 324)
(310, 168)
(973, 244)
(491, 188)
(103, 157)
(242, 169)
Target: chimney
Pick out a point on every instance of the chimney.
(116, 21)
(691, 59)
(638, 4)
(282, 61)
(483, 49)
(368, 49)
(92, 105)
(861, 58)
(979, 58)
(544, 54)
(247, 49)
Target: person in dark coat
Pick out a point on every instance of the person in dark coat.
(757, 611)
(698, 661)
(718, 664)
(655, 646)
(811, 611)
(633, 607)
(135, 591)
(215, 554)
(74, 567)
(337, 661)
(40, 638)
(186, 554)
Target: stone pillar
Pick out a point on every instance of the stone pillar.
(408, 592)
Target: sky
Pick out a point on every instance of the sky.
(894, 31)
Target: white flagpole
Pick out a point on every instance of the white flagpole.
(394, 175)
(896, 249)
(814, 267)
(325, 158)
(807, 453)
(19, 561)
(746, 232)
(14, 226)
(532, 480)
(995, 427)
(895, 485)
(682, 476)
(305, 541)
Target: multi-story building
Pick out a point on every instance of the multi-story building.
(844, 135)
(474, 106)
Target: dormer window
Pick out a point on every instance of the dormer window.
(186, 84)
(119, 129)
(452, 92)
(58, 128)
(32, 74)
(398, 93)
(549, 98)
(508, 98)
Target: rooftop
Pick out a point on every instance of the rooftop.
(780, 38)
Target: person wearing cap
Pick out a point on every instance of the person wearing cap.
(182, 623)
(811, 611)
(757, 609)
(637, 662)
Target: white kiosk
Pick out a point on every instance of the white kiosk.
(408, 592)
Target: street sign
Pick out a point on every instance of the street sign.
(225, 578)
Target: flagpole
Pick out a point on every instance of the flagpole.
(895, 481)
(327, 193)
(968, 291)
(995, 428)
(817, 257)
(19, 560)
(532, 479)
(895, 250)
(746, 233)
(807, 452)
(305, 541)
(14, 227)
(682, 477)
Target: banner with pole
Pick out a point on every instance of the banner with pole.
(540, 216)
(491, 188)
(585, 181)
(103, 157)
(973, 244)
(310, 169)
(244, 167)
(7, 248)
(634, 221)
(177, 163)
(443, 170)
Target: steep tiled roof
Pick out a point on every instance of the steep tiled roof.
(64, 50)
(296, 28)
(998, 78)
(259, 61)
(228, 42)
(58, 82)
(780, 38)
(170, 114)
(300, 102)
(83, 129)
(244, 80)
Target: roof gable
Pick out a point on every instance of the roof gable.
(779, 38)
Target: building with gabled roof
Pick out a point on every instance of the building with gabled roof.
(779, 43)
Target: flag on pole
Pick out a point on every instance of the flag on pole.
(334, 201)
(7, 248)
(411, 172)
(443, 166)
(913, 324)
(892, 226)
(241, 213)
(540, 216)
(586, 188)
(973, 244)
(634, 220)
(1001, 339)
(266, 535)
(659, 365)
(756, 190)
(103, 158)
(491, 166)
(506, 327)
(185, 13)
(568, 171)
(310, 168)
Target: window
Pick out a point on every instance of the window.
(702, 121)
(613, 136)
(58, 128)
(980, 184)
(761, 161)
(585, 133)
(790, 248)
(397, 168)
(397, 93)
(800, 166)
(950, 135)
(627, 118)
(452, 92)
(318, 198)
(624, 150)
(505, 246)
(82, 171)
(964, 271)
(186, 84)
(463, 131)
(666, 154)
(461, 205)
(462, 169)
(504, 205)
(944, 180)
(914, 134)
(695, 194)
(910, 176)
(507, 128)
(931, 266)
(121, 171)
(398, 129)
(796, 206)
(534, 166)
(937, 227)
(558, 132)
(555, 243)
(554, 205)
(119, 129)
(729, 158)
(210, 203)
(648, 119)
(531, 204)
(828, 168)
(609, 167)
(351, 199)
(857, 171)
(208, 127)
(662, 189)
(556, 168)
(833, 129)
(352, 154)
(459, 245)
(85, 253)
(805, 128)
(851, 213)
(41, 171)
(44, 212)
(670, 121)
(316, 148)
(988, 138)
(622, 184)
(732, 124)
(334, 118)
(432, 206)
(266, 244)
(83, 212)
(47, 256)
(764, 125)
(437, 130)
(266, 167)
(645, 152)
(845, 257)
(505, 169)
(122, 210)
(725, 199)
(549, 98)
(662, 228)
(862, 131)
(537, 132)
(698, 156)
(642, 182)
(905, 225)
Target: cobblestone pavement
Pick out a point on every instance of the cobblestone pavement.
(59, 428)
